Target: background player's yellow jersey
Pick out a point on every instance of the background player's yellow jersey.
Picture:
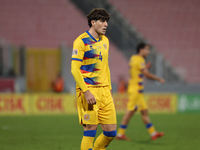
(137, 64)
(93, 53)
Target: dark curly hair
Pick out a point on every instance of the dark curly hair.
(98, 14)
(141, 46)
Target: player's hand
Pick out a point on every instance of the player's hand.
(90, 97)
(161, 80)
(148, 65)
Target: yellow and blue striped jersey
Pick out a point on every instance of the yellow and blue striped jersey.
(137, 64)
(93, 53)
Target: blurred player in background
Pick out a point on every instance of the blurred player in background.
(135, 90)
(89, 66)
(58, 84)
(122, 85)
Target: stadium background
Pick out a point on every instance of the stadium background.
(36, 40)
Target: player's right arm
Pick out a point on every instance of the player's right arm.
(76, 62)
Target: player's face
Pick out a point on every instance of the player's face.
(146, 51)
(100, 26)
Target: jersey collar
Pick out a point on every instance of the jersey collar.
(92, 36)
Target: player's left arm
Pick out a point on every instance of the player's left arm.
(148, 65)
(110, 86)
(152, 76)
(109, 79)
(108, 69)
(108, 72)
(142, 66)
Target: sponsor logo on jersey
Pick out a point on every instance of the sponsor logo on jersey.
(91, 47)
(98, 47)
(75, 52)
(105, 46)
(86, 117)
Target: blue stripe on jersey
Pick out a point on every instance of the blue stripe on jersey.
(90, 54)
(93, 37)
(91, 81)
(87, 41)
(140, 91)
(77, 59)
(140, 75)
(89, 68)
(140, 83)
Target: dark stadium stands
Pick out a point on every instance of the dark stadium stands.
(48, 23)
(172, 27)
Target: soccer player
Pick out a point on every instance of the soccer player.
(135, 90)
(89, 66)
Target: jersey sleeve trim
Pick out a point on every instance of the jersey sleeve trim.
(77, 59)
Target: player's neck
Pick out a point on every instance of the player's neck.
(94, 33)
(140, 55)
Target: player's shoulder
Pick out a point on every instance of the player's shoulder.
(142, 59)
(136, 59)
(133, 57)
(80, 37)
(104, 38)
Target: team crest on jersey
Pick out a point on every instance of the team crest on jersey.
(86, 117)
(75, 52)
(105, 46)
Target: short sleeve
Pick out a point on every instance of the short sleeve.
(141, 64)
(78, 50)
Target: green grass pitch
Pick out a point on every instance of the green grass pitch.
(182, 132)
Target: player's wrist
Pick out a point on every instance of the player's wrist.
(160, 79)
(86, 91)
(157, 78)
